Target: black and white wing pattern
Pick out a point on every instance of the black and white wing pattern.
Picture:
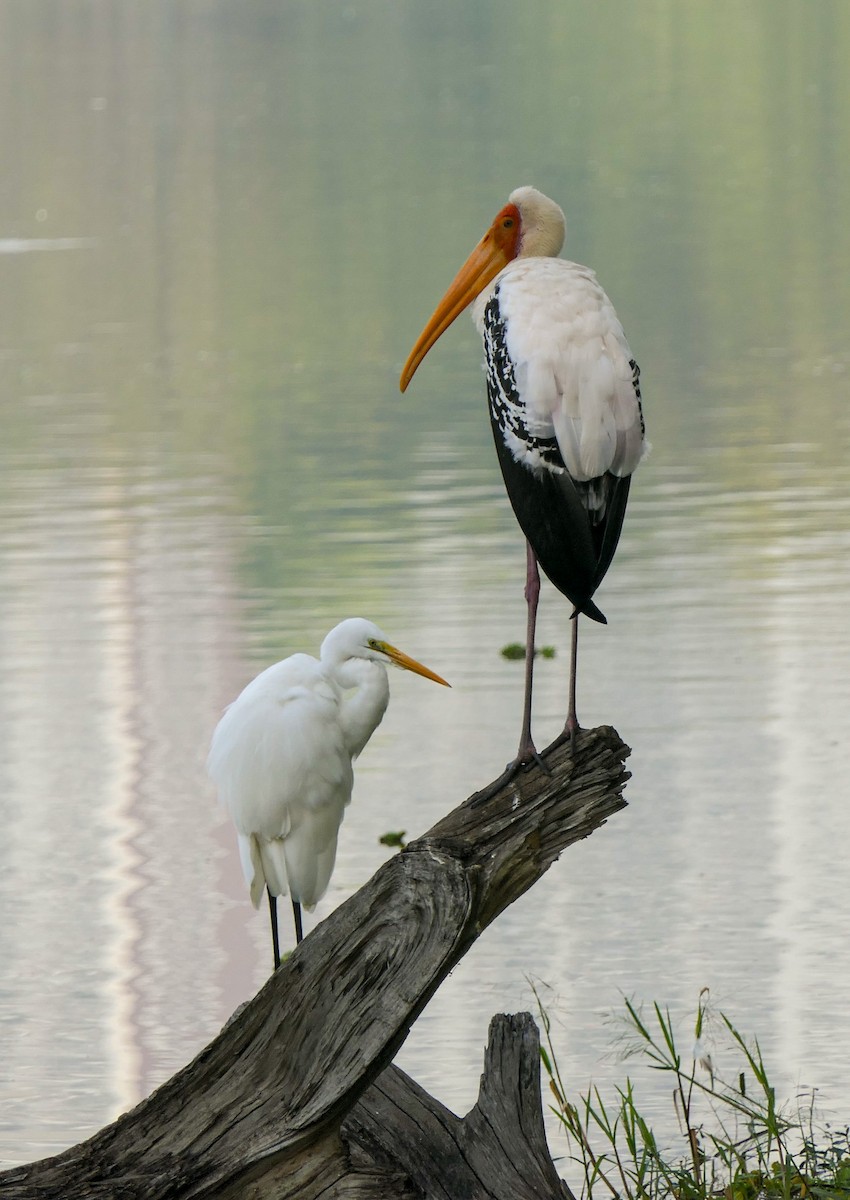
(565, 410)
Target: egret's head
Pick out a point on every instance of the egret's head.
(359, 638)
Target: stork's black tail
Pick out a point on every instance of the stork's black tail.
(573, 553)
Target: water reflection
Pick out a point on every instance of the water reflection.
(111, 605)
(30, 245)
(206, 464)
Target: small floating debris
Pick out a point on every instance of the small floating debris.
(516, 650)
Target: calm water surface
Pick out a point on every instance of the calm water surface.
(221, 228)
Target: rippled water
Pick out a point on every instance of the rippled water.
(220, 231)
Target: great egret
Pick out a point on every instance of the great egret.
(281, 758)
(565, 408)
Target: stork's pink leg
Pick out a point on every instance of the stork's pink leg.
(572, 726)
(527, 751)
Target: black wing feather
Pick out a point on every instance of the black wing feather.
(574, 540)
(551, 515)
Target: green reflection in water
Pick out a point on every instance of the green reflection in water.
(278, 193)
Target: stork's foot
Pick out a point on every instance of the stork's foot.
(526, 757)
(569, 733)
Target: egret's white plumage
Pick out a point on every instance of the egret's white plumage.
(281, 756)
(564, 398)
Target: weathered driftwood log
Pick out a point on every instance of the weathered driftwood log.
(498, 1150)
(259, 1112)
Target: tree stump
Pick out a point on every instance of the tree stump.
(497, 1150)
(296, 1098)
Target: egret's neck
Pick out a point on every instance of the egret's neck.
(367, 694)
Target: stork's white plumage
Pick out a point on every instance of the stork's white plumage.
(573, 372)
(564, 397)
(281, 759)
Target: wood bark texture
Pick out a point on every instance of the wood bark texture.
(498, 1151)
(258, 1113)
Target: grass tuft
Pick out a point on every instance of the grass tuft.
(736, 1142)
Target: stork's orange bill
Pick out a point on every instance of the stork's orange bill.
(490, 256)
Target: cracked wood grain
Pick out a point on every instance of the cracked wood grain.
(258, 1112)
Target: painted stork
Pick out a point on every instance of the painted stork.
(565, 410)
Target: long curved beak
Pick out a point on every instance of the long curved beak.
(410, 664)
(490, 256)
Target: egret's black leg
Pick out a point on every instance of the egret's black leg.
(572, 726)
(296, 912)
(275, 942)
